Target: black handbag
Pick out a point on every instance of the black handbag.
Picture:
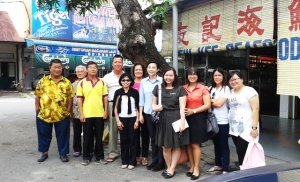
(212, 125)
(154, 114)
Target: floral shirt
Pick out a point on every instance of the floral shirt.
(54, 98)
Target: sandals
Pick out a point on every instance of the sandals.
(214, 169)
(110, 158)
(144, 161)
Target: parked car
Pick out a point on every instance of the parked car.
(36, 79)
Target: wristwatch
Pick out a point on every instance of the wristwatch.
(254, 127)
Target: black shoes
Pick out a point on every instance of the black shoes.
(189, 174)
(158, 167)
(43, 157)
(64, 158)
(167, 175)
(193, 177)
(149, 167)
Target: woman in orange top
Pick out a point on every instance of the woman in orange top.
(197, 104)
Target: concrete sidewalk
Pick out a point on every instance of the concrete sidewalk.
(18, 154)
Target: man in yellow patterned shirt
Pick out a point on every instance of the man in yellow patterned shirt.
(53, 104)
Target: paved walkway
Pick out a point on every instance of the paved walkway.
(18, 152)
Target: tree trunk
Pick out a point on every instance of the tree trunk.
(136, 41)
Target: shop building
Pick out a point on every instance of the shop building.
(14, 27)
(73, 38)
(258, 37)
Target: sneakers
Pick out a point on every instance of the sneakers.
(102, 161)
(85, 162)
(76, 154)
(124, 166)
(131, 167)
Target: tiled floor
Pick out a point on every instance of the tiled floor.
(279, 137)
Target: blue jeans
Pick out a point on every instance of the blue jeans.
(62, 132)
(221, 147)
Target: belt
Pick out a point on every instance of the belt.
(110, 101)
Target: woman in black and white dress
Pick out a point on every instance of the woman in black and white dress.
(125, 106)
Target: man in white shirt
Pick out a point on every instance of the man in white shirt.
(112, 81)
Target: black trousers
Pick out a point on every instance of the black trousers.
(93, 130)
(128, 139)
(143, 133)
(77, 129)
(241, 147)
(157, 152)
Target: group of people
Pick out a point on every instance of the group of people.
(127, 102)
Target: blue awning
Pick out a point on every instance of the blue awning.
(32, 42)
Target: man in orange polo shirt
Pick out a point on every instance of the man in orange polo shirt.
(53, 104)
(93, 108)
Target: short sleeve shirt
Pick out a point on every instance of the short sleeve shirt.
(240, 112)
(92, 95)
(54, 98)
(170, 97)
(75, 106)
(194, 98)
(112, 82)
(221, 113)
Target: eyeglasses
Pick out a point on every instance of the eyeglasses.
(125, 80)
(234, 79)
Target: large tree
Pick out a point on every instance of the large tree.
(136, 40)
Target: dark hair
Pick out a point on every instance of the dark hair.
(143, 69)
(91, 63)
(126, 75)
(117, 56)
(55, 61)
(175, 82)
(238, 73)
(223, 73)
(154, 62)
(191, 71)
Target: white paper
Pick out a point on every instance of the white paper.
(176, 125)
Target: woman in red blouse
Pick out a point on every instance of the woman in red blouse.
(197, 104)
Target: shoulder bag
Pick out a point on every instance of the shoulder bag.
(155, 115)
(212, 125)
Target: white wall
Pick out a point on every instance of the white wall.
(18, 14)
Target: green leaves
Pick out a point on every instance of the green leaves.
(82, 5)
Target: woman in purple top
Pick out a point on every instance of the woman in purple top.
(138, 71)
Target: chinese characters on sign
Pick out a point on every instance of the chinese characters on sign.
(181, 32)
(250, 21)
(208, 26)
(294, 9)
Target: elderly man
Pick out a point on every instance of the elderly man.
(112, 81)
(53, 104)
(77, 125)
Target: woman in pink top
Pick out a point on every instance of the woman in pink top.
(138, 71)
(197, 104)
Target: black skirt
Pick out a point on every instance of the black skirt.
(165, 134)
(198, 128)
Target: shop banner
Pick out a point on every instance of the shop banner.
(100, 25)
(74, 50)
(288, 46)
(222, 25)
(42, 60)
